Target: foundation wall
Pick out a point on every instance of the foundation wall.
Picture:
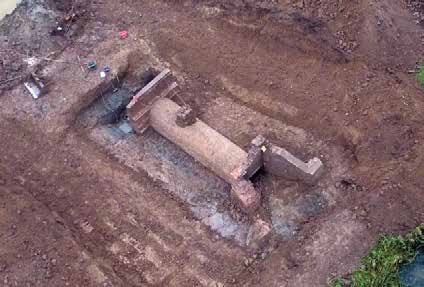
(280, 162)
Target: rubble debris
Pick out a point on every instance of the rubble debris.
(33, 89)
(349, 184)
(64, 25)
(70, 18)
(185, 117)
(259, 234)
(35, 86)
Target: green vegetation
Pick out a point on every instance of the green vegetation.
(420, 74)
(336, 282)
(380, 267)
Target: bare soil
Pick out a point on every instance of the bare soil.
(83, 205)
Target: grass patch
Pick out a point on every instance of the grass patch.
(420, 74)
(337, 282)
(380, 267)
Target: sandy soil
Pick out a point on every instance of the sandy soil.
(83, 204)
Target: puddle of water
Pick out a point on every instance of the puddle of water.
(7, 6)
(412, 275)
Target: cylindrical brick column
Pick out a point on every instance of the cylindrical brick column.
(199, 140)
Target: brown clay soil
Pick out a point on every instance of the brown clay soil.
(321, 78)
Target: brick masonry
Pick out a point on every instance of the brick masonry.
(245, 195)
(186, 117)
(163, 85)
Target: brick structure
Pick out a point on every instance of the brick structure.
(153, 106)
(162, 86)
(207, 146)
(245, 195)
(186, 117)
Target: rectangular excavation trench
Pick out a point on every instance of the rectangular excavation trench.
(206, 195)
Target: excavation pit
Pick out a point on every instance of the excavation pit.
(203, 192)
(94, 204)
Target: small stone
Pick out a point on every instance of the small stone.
(54, 262)
(259, 141)
(246, 262)
(185, 117)
(44, 257)
(259, 234)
